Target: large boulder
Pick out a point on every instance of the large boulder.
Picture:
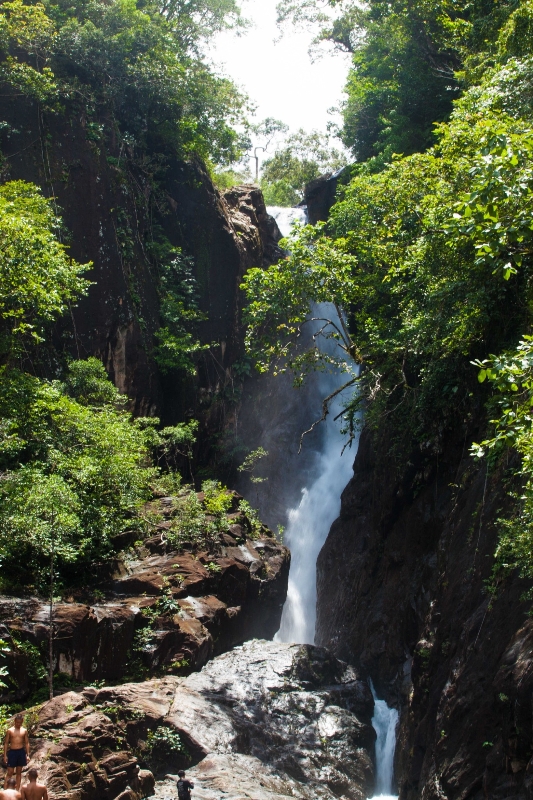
(267, 719)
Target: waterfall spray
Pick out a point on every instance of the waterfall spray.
(385, 723)
(306, 532)
(309, 523)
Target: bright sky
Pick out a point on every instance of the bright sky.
(280, 78)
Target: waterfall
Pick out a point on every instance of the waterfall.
(384, 722)
(286, 216)
(309, 522)
(307, 529)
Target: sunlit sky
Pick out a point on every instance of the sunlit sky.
(279, 77)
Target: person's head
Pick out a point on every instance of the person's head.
(181, 773)
(11, 783)
(32, 774)
(19, 719)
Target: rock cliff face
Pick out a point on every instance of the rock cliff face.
(166, 610)
(265, 721)
(320, 195)
(402, 595)
(114, 202)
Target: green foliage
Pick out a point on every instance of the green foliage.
(281, 297)
(431, 257)
(37, 278)
(144, 61)
(163, 745)
(432, 261)
(301, 159)
(4, 649)
(36, 670)
(166, 484)
(396, 88)
(250, 463)
(75, 470)
(180, 439)
(517, 34)
(409, 61)
(511, 375)
(496, 212)
(5, 719)
(179, 316)
(252, 515)
(88, 384)
(143, 640)
(188, 520)
(336, 24)
(167, 604)
(194, 520)
(280, 193)
(217, 499)
(27, 28)
(225, 179)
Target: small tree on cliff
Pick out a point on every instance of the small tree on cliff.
(38, 280)
(44, 518)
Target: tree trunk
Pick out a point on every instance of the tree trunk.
(51, 629)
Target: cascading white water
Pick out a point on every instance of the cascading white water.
(385, 723)
(285, 217)
(309, 523)
(306, 532)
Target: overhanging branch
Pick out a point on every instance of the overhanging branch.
(325, 409)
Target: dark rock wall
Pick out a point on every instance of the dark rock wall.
(113, 199)
(402, 595)
(320, 195)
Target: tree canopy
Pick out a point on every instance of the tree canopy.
(428, 255)
(409, 62)
(37, 278)
(142, 61)
(300, 159)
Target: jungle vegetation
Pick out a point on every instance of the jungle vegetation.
(76, 468)
(428, 251)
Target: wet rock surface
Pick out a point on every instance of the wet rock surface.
(402, 594)
(264, 720)
(166, 610)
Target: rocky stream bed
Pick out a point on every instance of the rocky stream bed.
(266, 720)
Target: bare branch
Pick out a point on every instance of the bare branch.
(347, 337)
(325, 409)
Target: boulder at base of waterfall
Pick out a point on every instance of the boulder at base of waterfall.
(265, 720)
